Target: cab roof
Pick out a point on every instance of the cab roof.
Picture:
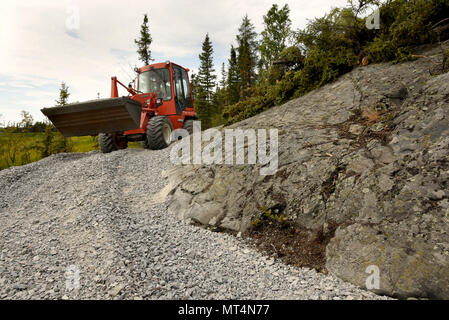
(160, 65)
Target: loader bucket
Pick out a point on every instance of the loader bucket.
(96, 116)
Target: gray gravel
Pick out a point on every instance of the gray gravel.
(97, 214)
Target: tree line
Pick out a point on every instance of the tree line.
(247, 66)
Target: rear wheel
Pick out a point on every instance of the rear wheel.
(111, 142)
(159, 131)
(188, 125)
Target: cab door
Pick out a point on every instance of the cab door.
(182, 92)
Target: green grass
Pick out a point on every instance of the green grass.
(27, 141)
(82, 144)
(28, 147)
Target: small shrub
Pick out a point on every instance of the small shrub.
(270, 216)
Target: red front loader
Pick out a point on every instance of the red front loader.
(159, 101)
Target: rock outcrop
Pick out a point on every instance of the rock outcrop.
(367, 153)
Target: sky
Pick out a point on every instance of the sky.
(84, 43)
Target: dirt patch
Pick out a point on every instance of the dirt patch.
(384, 118)
(367, 134)
(291, 243)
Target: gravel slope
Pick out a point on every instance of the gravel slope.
(98, 213)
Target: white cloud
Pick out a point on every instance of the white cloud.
(38, 51)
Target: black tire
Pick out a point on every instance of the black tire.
(188, 125)
(144, 143)
(157, 131)
(111, 142)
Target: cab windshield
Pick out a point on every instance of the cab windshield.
(157, 81)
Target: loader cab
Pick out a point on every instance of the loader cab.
(171, 84)
(157, 81)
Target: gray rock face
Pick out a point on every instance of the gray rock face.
(384, 182)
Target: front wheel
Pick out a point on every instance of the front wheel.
(111, 142)
(159, 131)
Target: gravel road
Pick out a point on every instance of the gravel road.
(89, 226)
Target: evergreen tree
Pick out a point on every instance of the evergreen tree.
(247, 53)
(221, 90)
(274, 36)
(63, 95)
(194, 85)
(218, 101)
(144, 42)
(223, 77)
(233, 81)
(205, 84)
(202, 107)
(61, 143)
(206, 76)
